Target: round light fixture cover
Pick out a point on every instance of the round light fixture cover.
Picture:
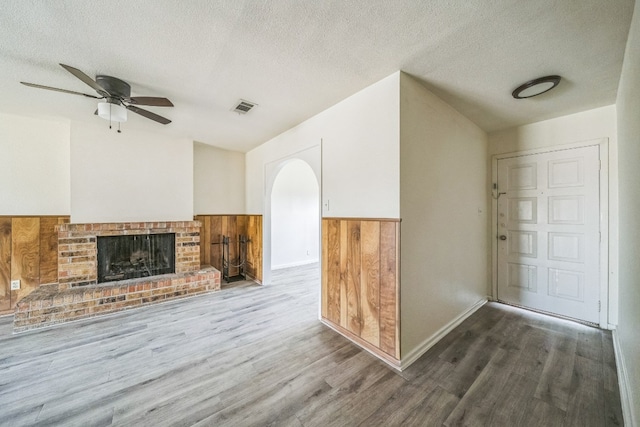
(112, 111)
(536, 87)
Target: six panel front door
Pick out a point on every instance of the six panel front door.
(549, 233)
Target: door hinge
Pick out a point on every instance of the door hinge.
(599, 306)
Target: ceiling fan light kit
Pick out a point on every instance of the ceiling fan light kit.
(112, 112)
(115, 97)
(536, 87)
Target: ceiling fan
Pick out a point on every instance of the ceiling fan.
(117, 97)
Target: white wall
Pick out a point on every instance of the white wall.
(295, 216)
(628, 335)
(129, 176)
(585, 126)
(360, 154)
(444, 210)
(34, 171)
(218, 181)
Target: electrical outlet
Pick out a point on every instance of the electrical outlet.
(15, 285)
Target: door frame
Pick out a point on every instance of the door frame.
(603, 148)
(311, 155)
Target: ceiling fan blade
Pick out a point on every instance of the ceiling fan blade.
(86, 79)
(59, 90)
(150, 100)
(148, 114)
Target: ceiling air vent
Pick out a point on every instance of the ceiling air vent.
(243, 106)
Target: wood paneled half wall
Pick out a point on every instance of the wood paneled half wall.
(360, 282)
(29, 253)
(216, 226)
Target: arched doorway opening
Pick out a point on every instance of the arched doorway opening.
(295, 216)
(311, 158)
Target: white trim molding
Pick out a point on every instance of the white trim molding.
(425, 345)
(295, 264)
(623, 383)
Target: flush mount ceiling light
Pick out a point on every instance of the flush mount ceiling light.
(536, 87)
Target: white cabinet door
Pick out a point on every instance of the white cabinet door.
(549, 232)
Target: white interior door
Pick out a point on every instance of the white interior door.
(549, 232)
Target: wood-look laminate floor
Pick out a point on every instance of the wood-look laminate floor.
(257, 356)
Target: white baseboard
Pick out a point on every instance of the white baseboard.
(295, 264)
(623, 383)
(433, 339)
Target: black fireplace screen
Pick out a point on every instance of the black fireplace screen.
(128, 257)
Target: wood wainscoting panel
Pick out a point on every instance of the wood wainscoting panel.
(241, 223)
(360, 280)
(230, 224)
(254, 247)
(354, 287)
(29, 253)
(344, 275)
(25, 255)
(370, 281)
(331, 265)
(215, 234)
(5, 263)
(214, 227)
(389, 287)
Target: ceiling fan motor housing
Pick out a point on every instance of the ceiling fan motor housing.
(116, 87)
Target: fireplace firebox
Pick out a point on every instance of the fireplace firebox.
(132, 256)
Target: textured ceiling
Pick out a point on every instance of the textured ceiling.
(296, 58)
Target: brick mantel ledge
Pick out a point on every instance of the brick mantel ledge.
(103, 228)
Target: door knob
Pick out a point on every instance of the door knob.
(503, 237)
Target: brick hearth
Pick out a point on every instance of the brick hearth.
(77, 295)
(49, 305)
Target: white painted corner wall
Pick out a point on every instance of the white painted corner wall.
(444, 208)
(218, 181)
(34, 177)
(360, 148)
(627, 336)
(129, 176)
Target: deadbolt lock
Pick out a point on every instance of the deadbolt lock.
(503, 237)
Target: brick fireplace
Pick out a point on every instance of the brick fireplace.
(78, 252)
(78, 294)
